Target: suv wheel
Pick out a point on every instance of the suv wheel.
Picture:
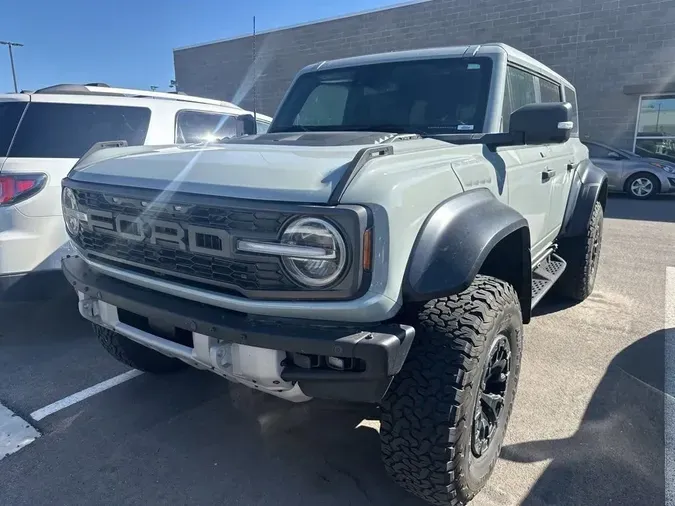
(582, 255)
(642, 186)
(445, 415)
(136, 355)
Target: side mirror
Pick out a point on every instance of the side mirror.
(614, 155)
(549, 123)
(248, 124)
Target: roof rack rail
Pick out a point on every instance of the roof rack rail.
(106, 90)
(64, 88)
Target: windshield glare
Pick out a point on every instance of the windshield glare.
(426, 97)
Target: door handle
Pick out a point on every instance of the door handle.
(547, 175)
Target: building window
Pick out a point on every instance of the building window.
(655, 131)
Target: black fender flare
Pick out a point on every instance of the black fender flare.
(454, 241)
(589, 185)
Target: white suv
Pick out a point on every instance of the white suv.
(44, 133)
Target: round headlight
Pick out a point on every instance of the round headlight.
(325, 261)
(70, 211)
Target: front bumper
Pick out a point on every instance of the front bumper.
(380, 348)
(671, 184)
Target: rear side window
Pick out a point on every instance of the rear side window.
(571, 97)
(10, 115)
(51, 130)
(196, 127)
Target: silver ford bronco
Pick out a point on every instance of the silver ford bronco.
(384, 242)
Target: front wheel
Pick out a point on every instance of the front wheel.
(444, 417)
(136, 355)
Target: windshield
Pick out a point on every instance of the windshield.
(422, 96)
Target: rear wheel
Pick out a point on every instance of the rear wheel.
(136, 355)
(445, 415)
(582, 255)
(642, 186)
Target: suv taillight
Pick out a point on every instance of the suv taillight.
(17, 187)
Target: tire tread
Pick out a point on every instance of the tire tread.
(427, 412)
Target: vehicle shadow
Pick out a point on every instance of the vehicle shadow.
(617, 454)
(660, 208)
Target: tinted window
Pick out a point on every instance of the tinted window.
(69, 130)
(196, 127)
(262, 127)
(571, 97)
(595, 151)
(10, 114)
(427, 96)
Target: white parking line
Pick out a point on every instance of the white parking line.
(83, 394)
(669, 387)
(15, 432)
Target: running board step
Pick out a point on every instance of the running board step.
(545, 275)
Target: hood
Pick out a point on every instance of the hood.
(281, 173)
(265, 169)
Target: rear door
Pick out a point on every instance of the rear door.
(560, 163)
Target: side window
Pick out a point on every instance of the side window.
(196, 126)
(519, 91)
(571, 97)
(595, 151)
(523, 88)
(325, 105)
(262, 127)
(548, 91)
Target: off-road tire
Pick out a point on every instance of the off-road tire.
(582, 255)
(427, 414)
(136, 355)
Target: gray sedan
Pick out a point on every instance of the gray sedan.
(638, 176)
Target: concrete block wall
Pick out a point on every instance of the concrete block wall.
(599, 45)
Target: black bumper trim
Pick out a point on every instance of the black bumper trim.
(383, 347)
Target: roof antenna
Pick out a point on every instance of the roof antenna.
(255, 77)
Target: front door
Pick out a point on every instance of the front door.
(529, 185)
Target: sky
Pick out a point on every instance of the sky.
(129, 43)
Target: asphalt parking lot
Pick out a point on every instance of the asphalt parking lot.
(587, 428)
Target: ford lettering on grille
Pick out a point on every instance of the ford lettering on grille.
(185, 237)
